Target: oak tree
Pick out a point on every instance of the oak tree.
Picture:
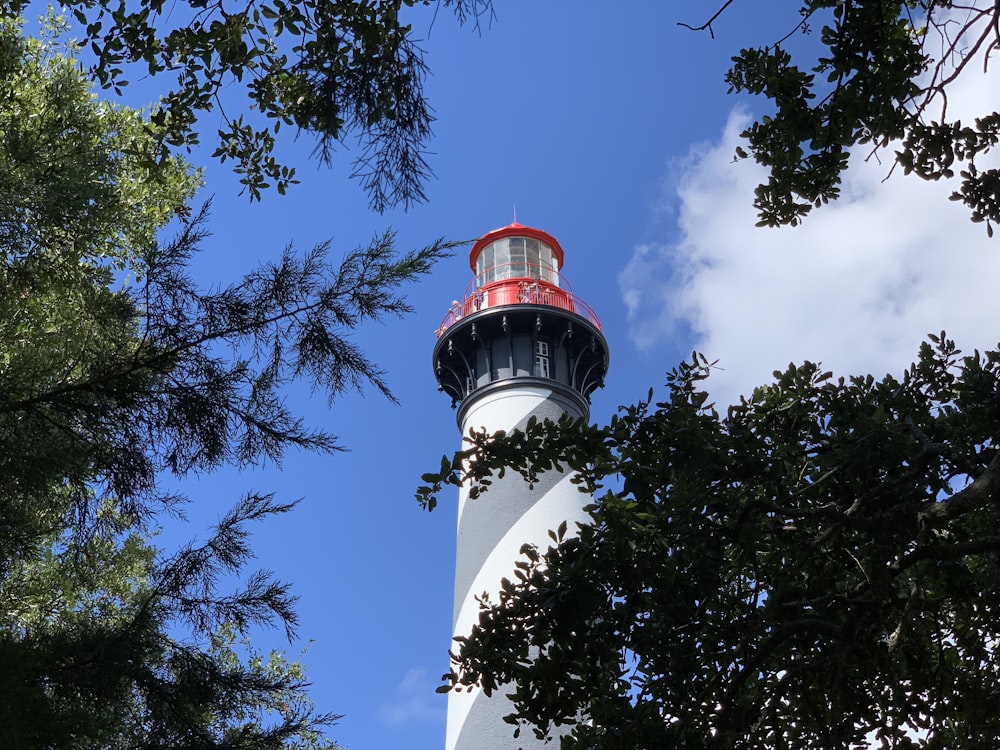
(340, 71)
(872, 76)
(815, 567)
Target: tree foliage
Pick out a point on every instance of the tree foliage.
(94, 654)
(817, 567)
(116, 369)
(880, 80)
(343, 71)
(75, 173)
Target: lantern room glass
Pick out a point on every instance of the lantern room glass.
(516, 258)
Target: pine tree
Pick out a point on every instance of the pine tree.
(116, 369)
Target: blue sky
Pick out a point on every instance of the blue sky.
(609, 127)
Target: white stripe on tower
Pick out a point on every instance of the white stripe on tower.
(491, 532)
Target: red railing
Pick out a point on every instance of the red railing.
(518, 291)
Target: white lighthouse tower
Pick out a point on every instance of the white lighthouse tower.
(519, 344)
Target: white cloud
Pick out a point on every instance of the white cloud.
(414, 700)
(858, 286)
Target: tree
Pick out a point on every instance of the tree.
(340, 71)
(115, 368)
(345, 70)
(815, 568)
(880, 80)
(94, 654)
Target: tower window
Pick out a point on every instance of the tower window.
(542, 359)
(518, 259)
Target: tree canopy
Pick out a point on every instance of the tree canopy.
(879, 81)
(872, 74)
(117, 369)
(816, 567)
(341, 71)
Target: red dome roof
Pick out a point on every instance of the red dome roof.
(516, 230)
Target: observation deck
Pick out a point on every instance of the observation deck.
(517, 290)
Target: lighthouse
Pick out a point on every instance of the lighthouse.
(518, 344)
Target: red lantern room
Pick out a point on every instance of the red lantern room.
(516, 252)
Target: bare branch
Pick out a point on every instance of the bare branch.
(709, 22)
